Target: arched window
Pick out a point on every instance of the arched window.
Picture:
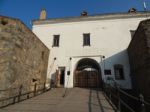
(119, 72)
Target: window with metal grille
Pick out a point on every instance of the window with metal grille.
(56, 40)
(119, 72)
(86, 39)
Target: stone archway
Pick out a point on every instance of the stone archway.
(87, 74)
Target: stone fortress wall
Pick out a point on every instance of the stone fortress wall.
(139, 57)
(23, 57)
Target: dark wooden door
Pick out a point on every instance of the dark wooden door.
(87, 79)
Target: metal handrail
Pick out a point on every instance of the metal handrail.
(17, 98)
(125, 104)
(120, 101)
(133, 97)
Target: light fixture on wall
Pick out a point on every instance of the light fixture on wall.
(103, 57)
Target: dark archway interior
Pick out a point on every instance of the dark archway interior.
(87, 63)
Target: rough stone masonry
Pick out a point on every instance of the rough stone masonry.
(139, 56)
(23, 57)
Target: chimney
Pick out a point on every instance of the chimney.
(132, 10)
(42, 14)
(84, 13)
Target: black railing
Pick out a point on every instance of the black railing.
(21, 94)
(123, 101)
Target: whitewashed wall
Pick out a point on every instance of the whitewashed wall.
(108, 37)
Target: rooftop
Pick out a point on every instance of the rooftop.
(107, 16)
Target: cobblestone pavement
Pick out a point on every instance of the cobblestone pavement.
(75, 100)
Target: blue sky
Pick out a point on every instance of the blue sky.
(27, 10)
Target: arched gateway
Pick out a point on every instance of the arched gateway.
(87, 74)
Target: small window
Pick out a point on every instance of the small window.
(132, 33)
(56, 40)
(42, 54)
(119, 72)
(107, 72)
(86, 39)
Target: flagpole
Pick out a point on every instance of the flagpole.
(145, 9)
(144, 5)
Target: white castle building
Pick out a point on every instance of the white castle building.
(88, 49)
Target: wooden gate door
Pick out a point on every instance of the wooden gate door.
(87, 79)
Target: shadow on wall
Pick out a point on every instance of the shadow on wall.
(107, 65)
(53, 81)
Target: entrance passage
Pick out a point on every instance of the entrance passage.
(62, 75)
(87, 79)
(87, 74)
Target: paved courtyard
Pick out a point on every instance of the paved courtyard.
(75, 100)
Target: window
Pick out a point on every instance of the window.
(42, 55)
(119, 72)
(56, 40)
(86, 39)
(132, 33)
(107, 72)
